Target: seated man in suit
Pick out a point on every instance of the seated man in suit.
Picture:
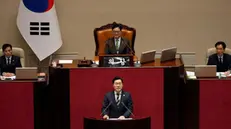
(220, 59)
(117, 103)
(8, 62)
(117, 44)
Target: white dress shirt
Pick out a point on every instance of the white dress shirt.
(117, 95)
(9, 60)
(220, 57)
(119, 41)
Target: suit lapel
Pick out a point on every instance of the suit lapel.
(217, 60)
(121, 99)
(4, 59)
(122, 45)
(224, 58)
(12, 60)
(113, 46)
(122, 96)
(113, 97)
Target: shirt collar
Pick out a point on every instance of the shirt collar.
(119, 39)
(220, 56)
(116, 92)
(8, 57)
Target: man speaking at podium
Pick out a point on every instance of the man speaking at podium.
(118, 103)
(117, 44)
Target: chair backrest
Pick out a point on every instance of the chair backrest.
(105, 32)
(211, 51)
(18, 52)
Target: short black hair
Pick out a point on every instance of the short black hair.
(4, 46)
(117, 78)
(221, 43)
(115, 25)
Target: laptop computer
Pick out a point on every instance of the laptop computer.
(205, 70)
(148, 56)
(26, 73)
(168, 54)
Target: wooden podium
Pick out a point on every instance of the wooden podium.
(117, 60)
(144, 123)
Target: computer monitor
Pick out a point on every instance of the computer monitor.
(205, 70)
(168, 54)
(147, 56)
(26, 73)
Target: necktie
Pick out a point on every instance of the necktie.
(220, 60)
(117, 99)
(117, 44)
(8, 60)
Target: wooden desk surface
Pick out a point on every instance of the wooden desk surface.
(73, 65)
(174, 63)
(212, 78)
(21, 80)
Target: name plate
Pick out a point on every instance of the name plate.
(116, 61)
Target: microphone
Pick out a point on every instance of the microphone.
(132, 52)
(128, 109)
(106, 108)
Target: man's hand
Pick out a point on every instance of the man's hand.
(121, 118)
(8, 74)
(105, 117)
(227, 73)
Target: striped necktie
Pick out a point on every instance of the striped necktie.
(117, 99)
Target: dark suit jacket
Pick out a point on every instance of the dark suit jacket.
(110, 47)
(15, 62)
(226, 65)
(114, 111)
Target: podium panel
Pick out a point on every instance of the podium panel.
(22, 104)
(144, 123)
(206, 104)
(116, 60)
(78, 93)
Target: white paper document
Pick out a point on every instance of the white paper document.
(7, 78)
(191, 75)
(222, 74)
(118, 119)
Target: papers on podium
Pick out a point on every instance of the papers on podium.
(222, 74)
(191, 75)
(7, 78)
(119, 119)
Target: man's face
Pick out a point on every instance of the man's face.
(8, 52)
(220, 50)
(118, 85)
(116, 32)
